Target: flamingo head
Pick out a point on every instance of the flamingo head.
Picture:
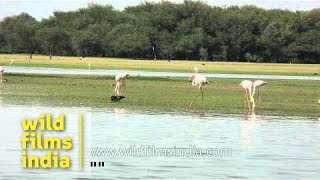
(259, 83)
(264, 83)
(126, 75)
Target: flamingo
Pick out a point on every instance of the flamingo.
(12, 61)
(247, 86)
(258, 83)
(197, 81)
(120, 80)
(1, 72)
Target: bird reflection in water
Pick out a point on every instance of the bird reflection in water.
(120, 112)
(247, 127)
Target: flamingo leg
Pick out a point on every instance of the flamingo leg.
(120, 89)
(244, 100)
(202, 96)
(117, 89)
(0, 76)
(253, 107)
(259, 95)
(194, 99)
(248, 101)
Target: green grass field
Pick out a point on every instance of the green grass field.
(174, 66)
(280, 97)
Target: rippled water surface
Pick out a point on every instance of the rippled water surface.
(263, 147)
(40, 70)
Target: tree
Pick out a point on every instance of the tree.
(203, 54)
(54, 41)
(166, 45)
(187, 30)
(19, 33)
(87, 44)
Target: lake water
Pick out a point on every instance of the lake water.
(241, 146)
(40, 70)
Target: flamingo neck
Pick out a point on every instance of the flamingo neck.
(251, 95)
(254, 90)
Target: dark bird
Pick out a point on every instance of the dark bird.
(116, 98)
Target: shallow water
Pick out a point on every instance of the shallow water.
(40, 70)
(262, 147)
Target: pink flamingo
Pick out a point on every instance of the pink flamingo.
(120, 80)
(197, 81)
(1, 73)
(247, 86)
(259, 84)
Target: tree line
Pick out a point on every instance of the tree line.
(189, 30)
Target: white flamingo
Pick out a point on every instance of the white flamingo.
(2, 69)
(1, 72)
(258, 84)
(12, 61)
(247, 86)
(120, 83)
(197, 81)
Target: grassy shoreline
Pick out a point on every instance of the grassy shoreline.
(162, 65)
(280, 97)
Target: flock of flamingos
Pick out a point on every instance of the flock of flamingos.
(196, 79)
(199, 81)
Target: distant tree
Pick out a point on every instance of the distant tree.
(87, 44)
(166, 45)
(203, 54)
(18, 33)
(167, 30)
(54, 41)
(2, 40)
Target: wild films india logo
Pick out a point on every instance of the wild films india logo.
(38, 136)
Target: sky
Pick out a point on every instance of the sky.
(44, 8)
